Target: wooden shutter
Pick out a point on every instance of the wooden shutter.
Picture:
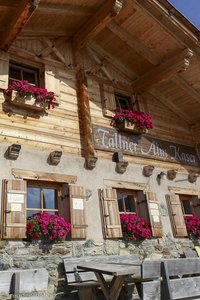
(196, 205)
(176, 215)
(110, 214)
(14, 209)
(4, 69)
(108, 100)
(154, 214)
(52, 82)
(77, 195)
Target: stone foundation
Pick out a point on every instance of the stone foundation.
(25, 255)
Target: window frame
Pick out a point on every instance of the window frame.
(186, 198)
(134, 193)
(45, 184)
(32, 64)
(131, 101)
(22, 68)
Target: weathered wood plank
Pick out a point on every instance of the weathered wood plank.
(31, 280)
(151, 290)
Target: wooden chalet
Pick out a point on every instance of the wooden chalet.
(98, 56)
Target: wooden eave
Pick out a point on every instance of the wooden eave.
(111, 39)
(21, 16)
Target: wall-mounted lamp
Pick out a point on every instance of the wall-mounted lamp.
(192, 177)
(162, 175)
(13, 151)
(171, 174)
(148, 170)
(55, 157)
(121, 164)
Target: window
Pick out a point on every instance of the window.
(181, 206)
(127, 201)
(124, 102)
(34, 196)
(114, 202)
(187, 205)
(20, 72)
(43, 197)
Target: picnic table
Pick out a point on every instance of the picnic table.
(119, 273)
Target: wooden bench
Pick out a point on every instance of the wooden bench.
(170, 279)
(180, 279)
(85, 282)
(30, 284)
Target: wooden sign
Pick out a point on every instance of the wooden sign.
(110, 139)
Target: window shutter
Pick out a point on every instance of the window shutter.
(196, 205)
(108, 100)
(52, 82)
(77, 211)
(176, 215)
(110, 214)
(154, 214)
(14, 209)
(4, 69)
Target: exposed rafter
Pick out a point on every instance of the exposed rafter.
(116, 64)
(187, 87)
(97, 22)
(175, 65)
(20, 18)
(168, 22)
(134, 43)
(50, 48)
(101, 64)
(170, 104)
(56, 51)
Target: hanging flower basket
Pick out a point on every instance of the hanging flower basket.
(26, 96)
(136, 122)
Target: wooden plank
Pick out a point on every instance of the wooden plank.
(184, 191)
(185, 288)
(71, 263)
(97, 22)
(66, 9)
(185, 266)
(151, 290)
(169, 22)
(175, 64)
(31, 280)
(134, 43)
(34, 175)
(171, 105)
(110, 269)
(151, 269)
(126, 185)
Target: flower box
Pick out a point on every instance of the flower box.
(26, 102)
(25, 96)
(136, 122)
(128, 127)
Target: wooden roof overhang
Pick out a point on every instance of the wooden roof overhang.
(154, 48)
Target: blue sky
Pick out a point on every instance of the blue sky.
(190, 9)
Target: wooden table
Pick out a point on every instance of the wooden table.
(119, 272)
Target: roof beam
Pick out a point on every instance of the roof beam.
(170, 105)
(187, 87)
(134, 43)
(174, 65)
(18, 21)
(97, 22)
(168, 22)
